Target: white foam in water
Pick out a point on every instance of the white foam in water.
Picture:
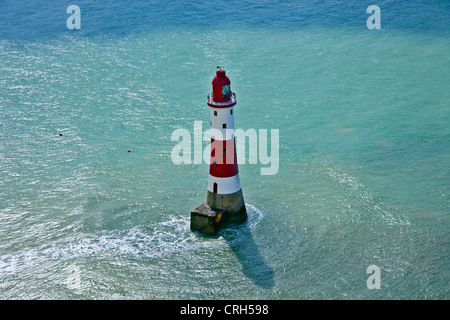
(167, 237)
(254, 215)
(366, 195)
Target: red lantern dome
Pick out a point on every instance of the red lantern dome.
(222, 96)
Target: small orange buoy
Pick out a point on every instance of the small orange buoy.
(60, 134)
(129, 150)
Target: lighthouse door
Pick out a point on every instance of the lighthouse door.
(215, 187)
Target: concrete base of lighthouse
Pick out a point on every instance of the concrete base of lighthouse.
(210, 217)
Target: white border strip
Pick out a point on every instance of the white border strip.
(225, 185)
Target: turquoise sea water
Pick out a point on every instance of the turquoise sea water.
(363, 117)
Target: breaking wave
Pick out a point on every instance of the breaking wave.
(165, 238)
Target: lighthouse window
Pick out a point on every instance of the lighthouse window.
(215, 165)
(231, 111)
(224, 125)
(226, 91)
(224, 150)
(215, 113)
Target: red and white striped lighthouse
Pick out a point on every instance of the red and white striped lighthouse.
(224, 200)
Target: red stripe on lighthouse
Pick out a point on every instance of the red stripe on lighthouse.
(223, 158)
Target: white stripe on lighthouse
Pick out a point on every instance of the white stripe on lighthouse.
(221, 117)
(224, 185)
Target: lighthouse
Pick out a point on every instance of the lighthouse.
(224, 199)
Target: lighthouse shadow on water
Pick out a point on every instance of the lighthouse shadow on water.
(240, 239)
(242, 243)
